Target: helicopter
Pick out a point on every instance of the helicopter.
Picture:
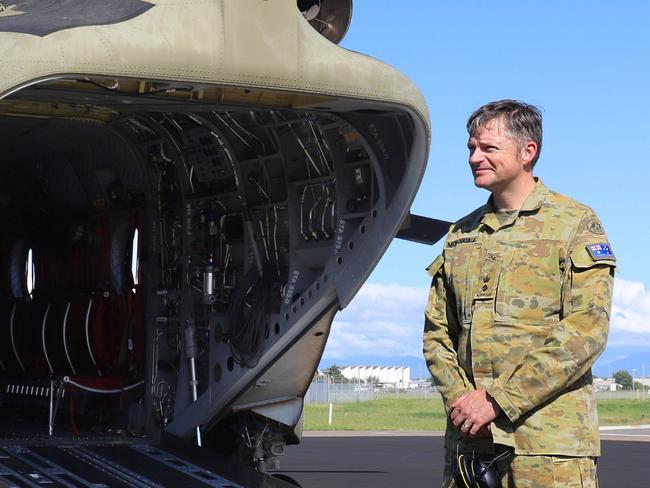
(190, 191)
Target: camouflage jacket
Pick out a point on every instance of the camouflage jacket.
(521, 308)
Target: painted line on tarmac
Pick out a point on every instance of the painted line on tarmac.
(610, 432)
(628, 435)
(625, 437)
(624, 427)
(372, 433)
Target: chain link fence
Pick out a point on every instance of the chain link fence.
(335, 392)
(330, 392)
(623, 395)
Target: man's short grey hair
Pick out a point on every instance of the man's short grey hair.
(521, 121)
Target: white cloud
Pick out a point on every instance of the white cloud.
(382, 320)
(631, 307)
(387, 319)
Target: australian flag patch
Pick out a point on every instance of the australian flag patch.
(600, 251)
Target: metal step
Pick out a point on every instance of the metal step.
(122, 465)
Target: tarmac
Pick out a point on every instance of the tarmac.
(414, 459)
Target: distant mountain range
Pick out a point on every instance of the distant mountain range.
(623, 357)
(614, 359)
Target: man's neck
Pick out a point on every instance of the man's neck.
(514, 195)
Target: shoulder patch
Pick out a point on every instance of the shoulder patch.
(600, 251)
(594, 226)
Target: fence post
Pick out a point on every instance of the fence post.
(328, 388)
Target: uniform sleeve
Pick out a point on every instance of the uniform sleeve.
(578, 339)
(441, 337)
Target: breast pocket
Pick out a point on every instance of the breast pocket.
(464, 277)
(530, 282)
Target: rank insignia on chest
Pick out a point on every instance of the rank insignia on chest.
(600, 251)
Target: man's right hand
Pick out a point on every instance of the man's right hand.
(473, 411)
(485, 431)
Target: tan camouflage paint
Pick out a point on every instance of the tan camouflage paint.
(522, 309)
(541, 472)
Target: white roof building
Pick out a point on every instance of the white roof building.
(399, 376)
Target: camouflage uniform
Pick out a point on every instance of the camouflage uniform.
(541, 472)
(520, 306)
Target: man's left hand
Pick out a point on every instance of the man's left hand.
(474, 410)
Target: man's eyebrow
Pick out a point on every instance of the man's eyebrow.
(487, 142)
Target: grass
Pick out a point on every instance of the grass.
(386, 414)
(624, 412)
(428, 415)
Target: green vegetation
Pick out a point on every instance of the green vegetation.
(335, 374)
(624, 412)
(387, 414)
(428, 415)
(638, 386)
(624, 379)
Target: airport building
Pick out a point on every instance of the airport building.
(605, 384)
(399, 376)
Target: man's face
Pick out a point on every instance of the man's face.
(496, 160)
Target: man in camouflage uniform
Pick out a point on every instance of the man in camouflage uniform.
(518, 312)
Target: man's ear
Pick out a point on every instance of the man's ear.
(528, 152)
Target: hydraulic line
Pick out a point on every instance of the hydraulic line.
(47, 357)
(101, 391)
(90, 350)
(65, 338)
(248, 225)
(237, 134)
(13, 339)
(191, 352)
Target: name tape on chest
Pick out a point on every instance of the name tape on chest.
(462, 240)
(600, 251)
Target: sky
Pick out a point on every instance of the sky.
(587, 66)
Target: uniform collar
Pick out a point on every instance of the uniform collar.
(536, 198)
(532, 203)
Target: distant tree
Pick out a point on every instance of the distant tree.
(372, 380)
(624, 379)
(335, 374)
(640, 386)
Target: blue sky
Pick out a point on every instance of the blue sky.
(586, 64)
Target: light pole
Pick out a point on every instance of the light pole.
(633, 387)
(611, 378)
(643, 383)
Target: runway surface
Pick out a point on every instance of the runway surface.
(415, 461)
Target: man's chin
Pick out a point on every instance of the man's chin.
(481, 182)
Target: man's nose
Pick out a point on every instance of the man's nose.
(475, 156)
